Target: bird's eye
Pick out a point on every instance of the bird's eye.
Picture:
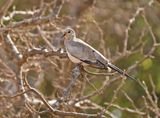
(69, 31)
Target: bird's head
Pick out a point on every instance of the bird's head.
(68, 34)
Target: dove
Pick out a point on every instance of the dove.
(79, 52)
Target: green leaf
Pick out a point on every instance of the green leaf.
(147, 64)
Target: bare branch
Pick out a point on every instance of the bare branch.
(4, 8)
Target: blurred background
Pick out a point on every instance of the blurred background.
(125, 31)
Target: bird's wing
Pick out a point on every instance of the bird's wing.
(84, 52)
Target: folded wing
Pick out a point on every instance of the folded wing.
(87, 54)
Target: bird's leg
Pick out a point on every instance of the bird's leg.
(75, 74)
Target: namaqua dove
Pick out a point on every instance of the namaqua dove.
(82, 53)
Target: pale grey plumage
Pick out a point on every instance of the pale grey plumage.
(80, 52)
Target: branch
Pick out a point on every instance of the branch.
(37, 20)
(11, 46)
(131, 21)
(4, 8)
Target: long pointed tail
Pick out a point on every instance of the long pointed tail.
(123, 73)
(120, 71)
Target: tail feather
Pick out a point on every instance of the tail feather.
(120, 71)
(113, 67)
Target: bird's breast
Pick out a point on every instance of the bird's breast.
(75, 60)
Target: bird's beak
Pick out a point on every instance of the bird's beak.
(64, 35)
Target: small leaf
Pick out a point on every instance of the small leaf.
(147, 64)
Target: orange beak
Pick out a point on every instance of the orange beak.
(64, 35)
